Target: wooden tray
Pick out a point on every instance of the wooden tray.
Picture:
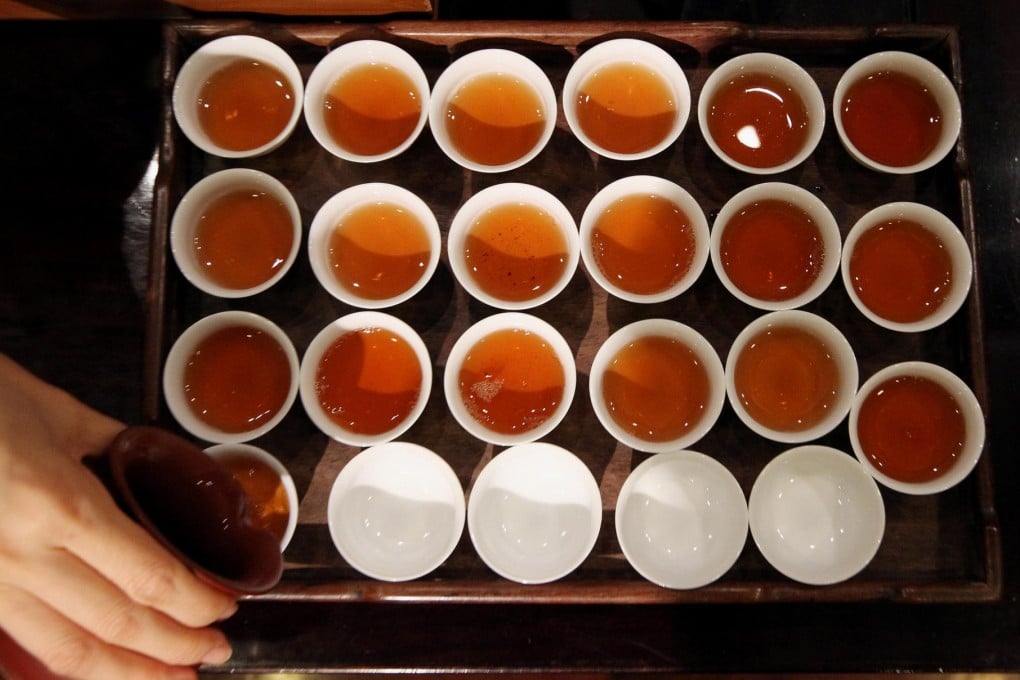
(936, 549)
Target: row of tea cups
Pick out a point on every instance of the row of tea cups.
(396, 512)
(762, 262)
(649, 107)
(790, 376)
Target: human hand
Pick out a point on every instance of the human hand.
(82, 587)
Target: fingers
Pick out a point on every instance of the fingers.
(68, 650)
(123, 553)
(87, 599)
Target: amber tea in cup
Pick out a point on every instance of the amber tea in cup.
(513, 246)
(644, 243)
(761, 113)
(772, 250)
(379, 250)
(495, 118)
(901, 270)
(787, 378)
(368, 380)
(272, 496)
(791, 376)
(236, 232)
(365, 378)
(626, 99)
(891, 117)
(245, 105)
(896, 112)
(492, 110)
(644, 239)
(366, 101)
(511, 381)
(372, 109)
(626, 107)
(657, 385)
(775, 246)
(374, 245)
(230, 377)
(238, 96)
(509, 378)
(917, 427)
(656, 388)
(515, 251)
(237, 378)
(906, 266)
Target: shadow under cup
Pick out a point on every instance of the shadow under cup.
(154, 476)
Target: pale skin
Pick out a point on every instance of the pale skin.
(83, 588)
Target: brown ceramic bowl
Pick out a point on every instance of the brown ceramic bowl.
(191, 504)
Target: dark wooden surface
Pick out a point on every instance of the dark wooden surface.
(80, 121)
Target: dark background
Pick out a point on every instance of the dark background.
(79, 115)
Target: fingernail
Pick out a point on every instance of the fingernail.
(218, 654)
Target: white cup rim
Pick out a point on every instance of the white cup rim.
(200, 196)
(969, 406)
(567, 481)
(344, 58)
(931, 77)
(480, 330)
(706, 563)
(802, 199)
(789, 72)
(843, 355)
(662, 187)
(622, 50)
(479, 62)
(503, 194)
(673, 330)
(397, 466)
(181, 351)
(939, 225)
(342, 203)
(351, 323)
(839, 470)
(260, 454)
(195, 70)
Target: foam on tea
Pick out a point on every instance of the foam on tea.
(245, 105)
(626, 107)
(511, 381)
(515, 251)
(243, 238)
(371, 109)
(495, 119)
(643, 243)
(368, 381)
(758, 120)
(237, 378)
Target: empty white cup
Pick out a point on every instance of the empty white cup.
(534, 513)
(396, 511)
